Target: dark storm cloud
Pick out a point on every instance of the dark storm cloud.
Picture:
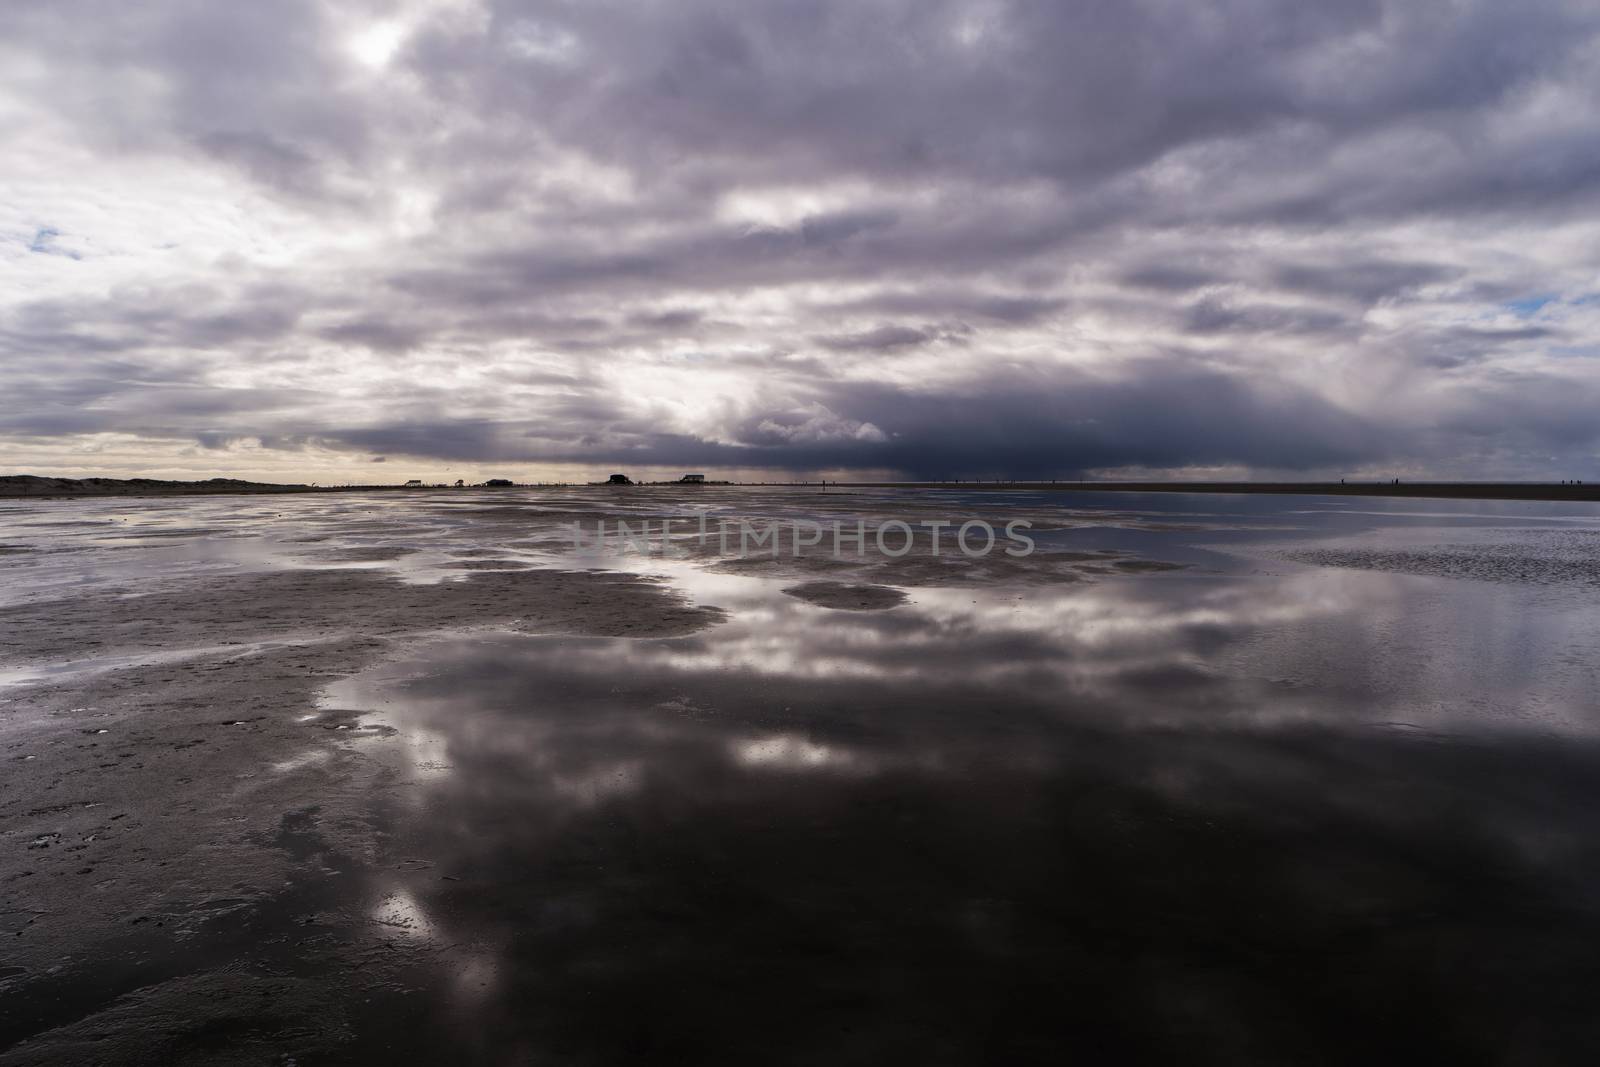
(385, 334)
(1168, 415)
(679, 319)
(189, 317)
(1464, 346)
(1171, 415)
(934, 236)
(881, 339)
(1364, 281)
(1210, 315)
(1077, 94)
(970, 303)
(1168, 278)
(1029, 87)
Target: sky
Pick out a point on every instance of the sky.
(367, 241)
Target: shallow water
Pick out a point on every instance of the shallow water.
(1313, 797)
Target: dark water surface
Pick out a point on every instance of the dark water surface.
(1317, 798)
(1312, 816)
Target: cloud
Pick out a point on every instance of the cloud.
(881, 339)
(934, 237)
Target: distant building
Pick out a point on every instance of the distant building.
(415, 483)
(499, 483)
(693, 479)
(619, 479)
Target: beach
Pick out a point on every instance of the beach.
(361, 777)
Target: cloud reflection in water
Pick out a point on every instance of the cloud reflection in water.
(1161, 814)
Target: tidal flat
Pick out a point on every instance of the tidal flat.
(432, 775)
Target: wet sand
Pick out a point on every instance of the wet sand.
(846, 597)
(338, 781)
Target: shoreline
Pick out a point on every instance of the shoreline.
(1534, 491)
(1589, 493)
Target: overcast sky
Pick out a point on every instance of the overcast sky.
(1034, 238)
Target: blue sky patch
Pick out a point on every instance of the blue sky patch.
(1530, 306)
(44, 244)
